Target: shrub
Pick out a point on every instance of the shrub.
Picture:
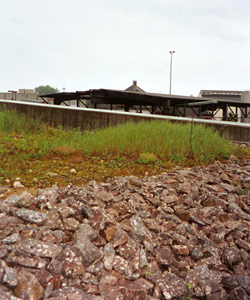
(147, 158)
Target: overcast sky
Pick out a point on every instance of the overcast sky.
(84, 44)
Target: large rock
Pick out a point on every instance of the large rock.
(28, 286)
(71, 293)
(83, 237)
(112, 288)
(10, 277)
(39, 248)
(172, 286)
(31, 216)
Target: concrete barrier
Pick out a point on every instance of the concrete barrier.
(90, 119)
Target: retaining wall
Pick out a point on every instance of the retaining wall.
(89, 119)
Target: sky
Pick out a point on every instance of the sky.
(79, 45)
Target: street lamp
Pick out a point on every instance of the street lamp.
(171, 54)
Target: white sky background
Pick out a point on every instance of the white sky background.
(83, 44)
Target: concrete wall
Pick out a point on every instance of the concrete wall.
(20, 96)
(89, 119)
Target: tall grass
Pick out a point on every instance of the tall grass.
(168, 141)
(11, 121)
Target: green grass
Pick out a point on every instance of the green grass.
(164, 140)
(29, 148)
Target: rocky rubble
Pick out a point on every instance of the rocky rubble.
(180, 235)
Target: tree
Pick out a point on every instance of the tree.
(46, 89)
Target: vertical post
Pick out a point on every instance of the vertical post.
(170, 81)
(245, 115)
(199, 111)
(174, 110)
(166, 108)
(225, 110)
(126, 107)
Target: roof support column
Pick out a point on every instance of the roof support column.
(199, 111)
(78, 101)
(225, 112)
(174, 110)
(167, 107)
(184, 110)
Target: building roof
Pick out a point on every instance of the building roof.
(131, 89)
(220, 92)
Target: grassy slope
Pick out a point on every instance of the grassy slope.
(42, 156)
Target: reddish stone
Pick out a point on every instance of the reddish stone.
(72, 269)
(183, 214)
(98, 241)
(32, 262)
(181, 249)
(121, 265)
(127, 250)
(56, 281)
(231, 256)
(152, 225)
(39, 248)
(173, 286)
(91, 289)
(9, 221)
(121, 237)
(28, 286)
(111, 288)
(164, 256)
(168, 225)
(44, 277)
(71, 224)
(109, 255)
(113, 212)
(53, 221)
(27, 234)
(110, 233)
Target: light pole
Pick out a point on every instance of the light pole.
(171, 54)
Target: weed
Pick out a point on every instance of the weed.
(63, 150)
(191, 291)
(148, 273)
(241, 191)
(190, 286)
(147, 158)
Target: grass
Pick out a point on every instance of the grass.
(30, 150)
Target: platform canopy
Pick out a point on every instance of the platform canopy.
(160, 103)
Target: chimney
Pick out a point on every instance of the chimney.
(134, 85)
